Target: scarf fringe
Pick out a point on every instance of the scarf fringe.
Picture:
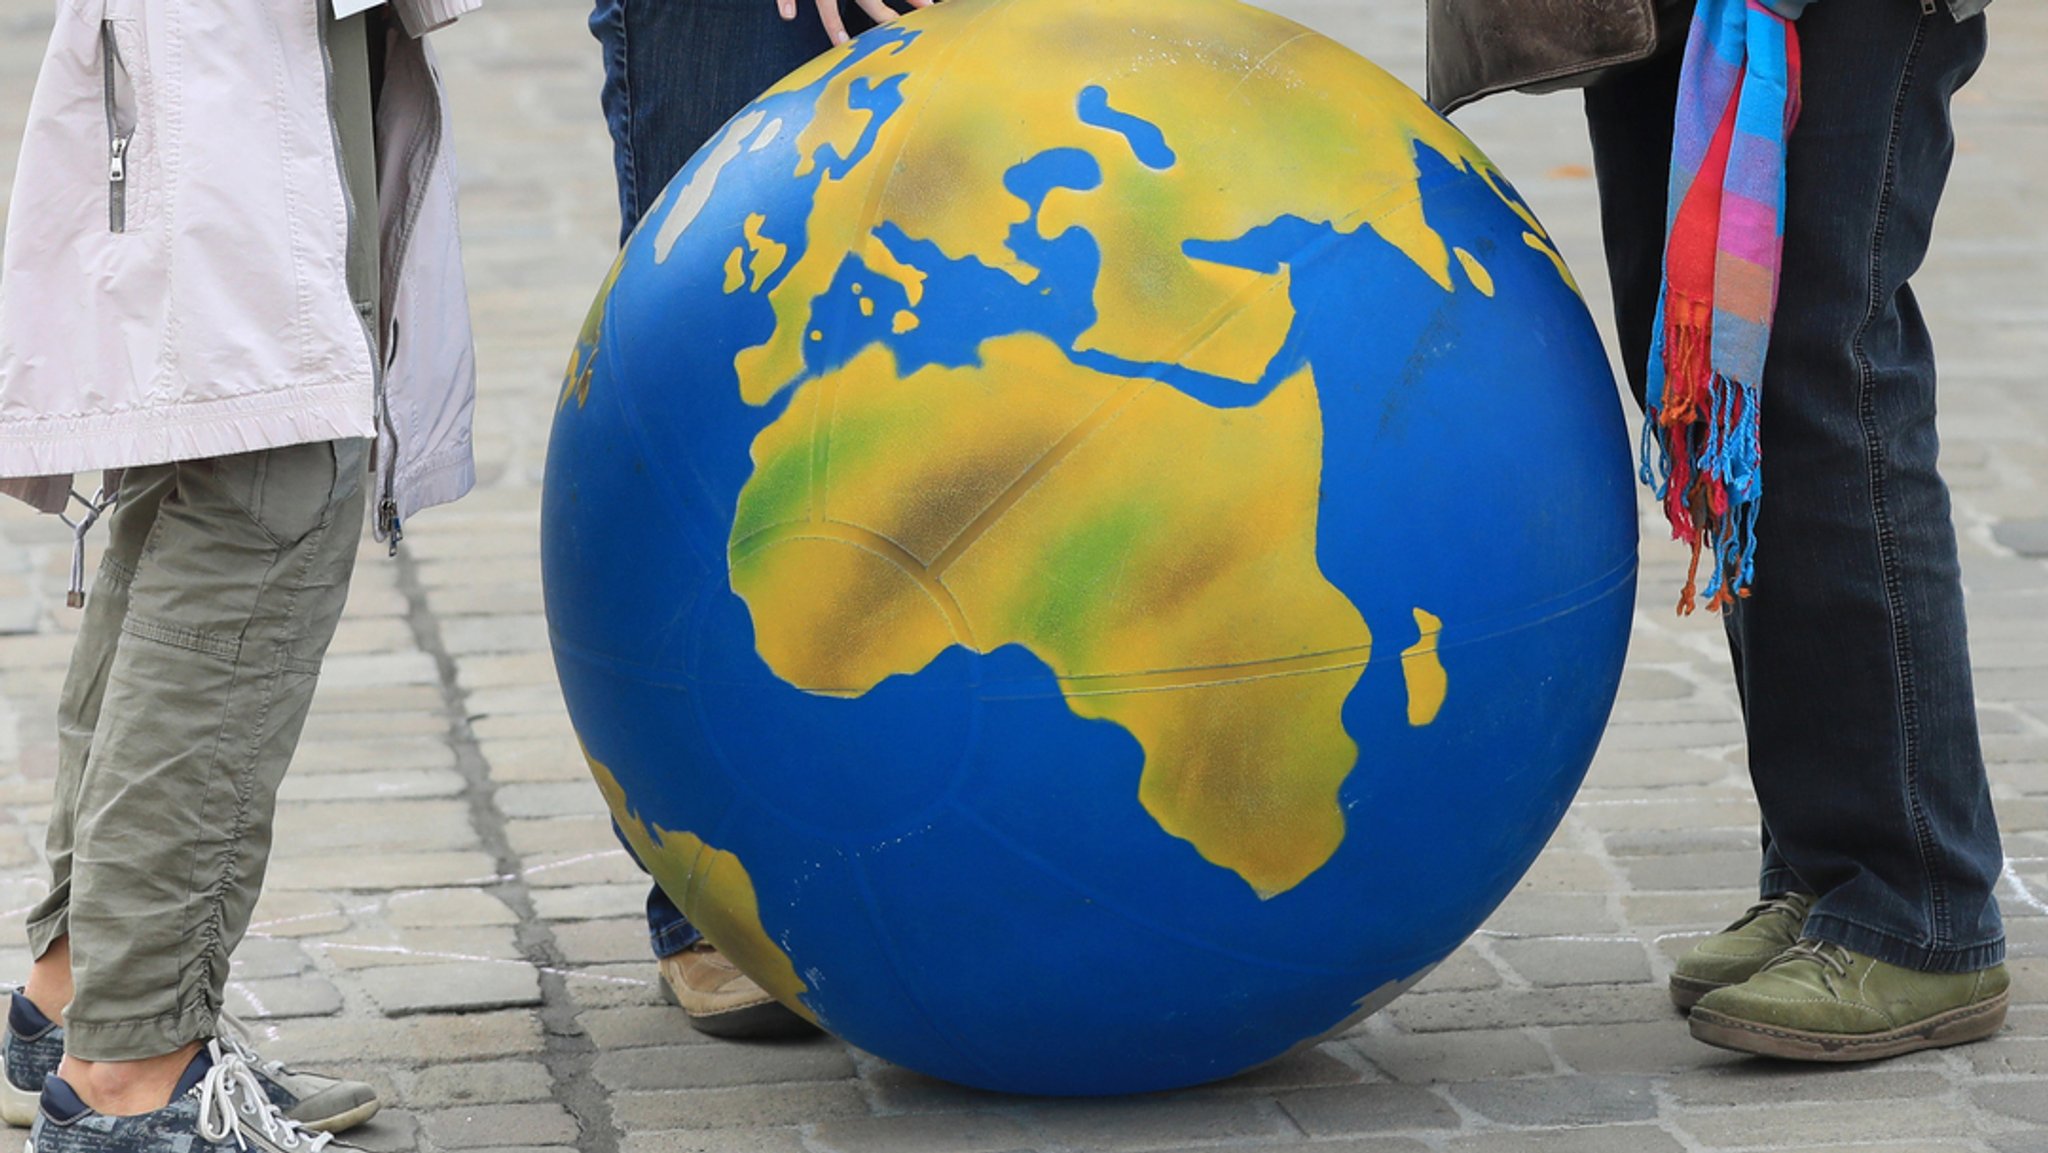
(1703, 457)
(1702, 454)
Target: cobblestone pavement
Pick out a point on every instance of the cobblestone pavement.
(448, 917)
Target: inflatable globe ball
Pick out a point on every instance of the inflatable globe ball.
(1088, 542)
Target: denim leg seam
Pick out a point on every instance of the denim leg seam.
(1888, 553)
(1774, 883)
(629, 168)
(1895, 950)
(673, 939)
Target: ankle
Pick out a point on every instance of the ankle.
(49, 980)
(127, 1088)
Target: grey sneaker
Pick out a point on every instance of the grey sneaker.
(29, 1052)
(34, 1045)
(218, 1106)
(314, 1100)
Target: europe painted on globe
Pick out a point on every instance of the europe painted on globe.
(1079, 389)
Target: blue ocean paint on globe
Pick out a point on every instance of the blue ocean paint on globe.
(1147, 142)
(918, 847)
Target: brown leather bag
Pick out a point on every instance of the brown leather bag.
(1480, 47)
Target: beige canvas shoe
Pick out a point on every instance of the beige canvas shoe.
(721, 1001)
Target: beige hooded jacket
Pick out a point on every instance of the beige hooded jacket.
(174, 282)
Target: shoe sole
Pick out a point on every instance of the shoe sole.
(767, 1021)
(1955, 1027)
(345, 1120)
(18, 1107)
(1687, 991)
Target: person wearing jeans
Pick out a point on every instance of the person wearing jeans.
(675, 72)
(1879, 932)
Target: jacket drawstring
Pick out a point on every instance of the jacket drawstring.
(95, 507)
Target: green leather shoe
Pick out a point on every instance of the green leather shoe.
(1736, 953)
(1822, 1002)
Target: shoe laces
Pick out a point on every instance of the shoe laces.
(1791, 904)
(232, 1105)
(237, 1044)
(1826, 954)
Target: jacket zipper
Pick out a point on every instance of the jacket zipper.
(117, 141)
(387, 505)
(388, 521)
(387, 502)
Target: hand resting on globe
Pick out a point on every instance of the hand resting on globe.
(835, 25)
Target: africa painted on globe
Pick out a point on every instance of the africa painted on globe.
(1010, 348)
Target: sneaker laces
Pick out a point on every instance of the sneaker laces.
(235, 1038)
(1827, 954)
(232, 1103)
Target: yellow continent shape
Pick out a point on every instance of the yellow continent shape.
(1285, 133)
(714, 891)
(1103, 523)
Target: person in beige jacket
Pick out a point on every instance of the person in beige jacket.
(231, 284)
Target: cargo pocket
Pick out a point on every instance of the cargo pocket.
(285, 492)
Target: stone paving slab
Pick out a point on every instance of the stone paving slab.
(448, 916)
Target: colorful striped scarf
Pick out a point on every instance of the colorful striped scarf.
(1738, 98)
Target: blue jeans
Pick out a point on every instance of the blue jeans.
(674, 72)
(668, 931)
(1851, 658)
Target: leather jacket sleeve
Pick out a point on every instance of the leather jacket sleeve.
(1480, 47)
